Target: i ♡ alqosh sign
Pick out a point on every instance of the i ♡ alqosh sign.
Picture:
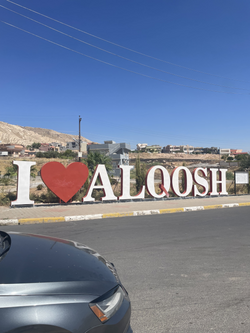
(65, 182)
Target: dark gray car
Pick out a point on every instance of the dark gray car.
(50, 285)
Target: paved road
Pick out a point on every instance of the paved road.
(185, 272)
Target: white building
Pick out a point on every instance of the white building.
(225, 151)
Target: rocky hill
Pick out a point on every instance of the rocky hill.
(27, 135)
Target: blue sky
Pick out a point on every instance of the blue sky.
(45, 85)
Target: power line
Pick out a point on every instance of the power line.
(119, 56)
(122, 68)
(125, 48)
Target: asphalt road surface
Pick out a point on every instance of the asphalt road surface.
(185, 272)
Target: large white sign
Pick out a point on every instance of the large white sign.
(195, 182)
(241, 177)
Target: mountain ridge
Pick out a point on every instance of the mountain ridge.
(26, 135)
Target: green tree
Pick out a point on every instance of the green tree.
(140, 173)
(96, 158)
(39, 154)
(241, 157)
(183, 179)
(224, 157)
(229, 175)
(245, 162)
(69, 154)
(10, 171)
(36, 145)
(33, 171)
(48, 154)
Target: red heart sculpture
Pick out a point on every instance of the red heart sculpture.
(64, 182)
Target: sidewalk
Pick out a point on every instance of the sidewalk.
(86, 211)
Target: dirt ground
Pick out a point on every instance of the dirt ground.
(182, 156)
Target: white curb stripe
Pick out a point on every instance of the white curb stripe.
(92, 217)
(74, 218)
(146, 212)
(7, 222)
(191, 209)
(230, 205)
(83, 217)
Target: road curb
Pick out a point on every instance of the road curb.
(41, 220)
(109, 215)
(9, 222)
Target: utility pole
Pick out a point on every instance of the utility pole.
(219, 158)
(80, 153)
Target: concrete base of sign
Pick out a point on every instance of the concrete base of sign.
(21, 206)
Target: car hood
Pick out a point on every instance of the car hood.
(92, 288)
(41, 264)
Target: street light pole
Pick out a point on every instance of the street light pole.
(79, 154)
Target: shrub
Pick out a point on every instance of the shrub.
(11, 171)
(48, 197)
(39, 187)
(36, 145)
(113, 181)
(229, 175)
(5, 181)
(5, 199)
(245, 162)
(140, 172)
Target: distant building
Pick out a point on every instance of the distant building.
(225, 151)
(28, 153)
(74, 145)
(154, 149)
(3, 153)
(44, 147)
(236, 152)
(212, 150)
(141, 146)
(188, 149)
(118, 152)
(56, 146)
(171, 149)
(144, 147)
(12, 149)
(198, 150)
(53, 146)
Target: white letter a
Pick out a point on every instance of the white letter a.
(105, 185)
